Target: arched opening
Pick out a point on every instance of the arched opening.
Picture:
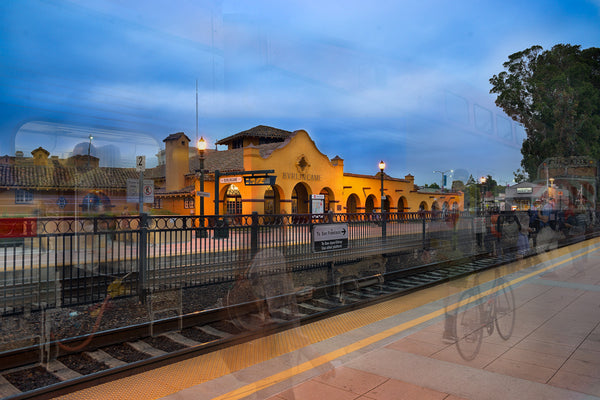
(272, 200)
(435, 206)
(402, 204)
(233, 200)
(385, 204)
(423, 206)
(329, 199)
(455, 206)
(352, 204)
(370, 204)
(300, 199)
(445, 206)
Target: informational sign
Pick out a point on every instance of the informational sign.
(202, 194)
(148, 190)
(524, 190)
(259, 180)
(231, 179)
(140, 163)
(329, 237)
(317, 203)
(133, 191)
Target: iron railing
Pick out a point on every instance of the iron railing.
(69, 261)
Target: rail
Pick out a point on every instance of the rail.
(70, 261)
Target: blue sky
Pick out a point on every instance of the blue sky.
(392, 80)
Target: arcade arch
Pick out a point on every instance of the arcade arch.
(352, 204)
(402, 204)
(370, 204)
(233, 200)
(423, 206)
(272, 200)
(385, 204)
(300, 199)
(329, 198)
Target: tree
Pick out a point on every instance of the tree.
(458, 186)
(432, 186)
(555, 94)
(520, 175)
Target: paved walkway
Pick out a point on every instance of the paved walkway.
(396, 349)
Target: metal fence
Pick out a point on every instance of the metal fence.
(68, 261)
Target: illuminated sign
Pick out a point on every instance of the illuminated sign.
(259, 180)
(525, 190)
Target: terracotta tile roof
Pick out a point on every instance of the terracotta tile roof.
(176, 136)
(260, 131)
(228, 160)
(57, 176)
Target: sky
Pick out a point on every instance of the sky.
(399, 81)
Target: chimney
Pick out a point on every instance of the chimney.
(40, 156)
(176, 161)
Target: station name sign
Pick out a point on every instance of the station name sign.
(329, 237)
(300, 177)
(524, 190)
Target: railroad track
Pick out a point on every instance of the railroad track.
(63, 366)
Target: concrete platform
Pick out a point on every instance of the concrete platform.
(403, 349)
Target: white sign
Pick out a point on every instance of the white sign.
(329, 237)
(202, 194)
(148, 190)
(140, 163)
(231, 179)
(317, 205)
(133, 191)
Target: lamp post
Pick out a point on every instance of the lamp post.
(383, 213)
(444, 176)
(482, 180)
(201, 145)
(89, 150)
(381, 168)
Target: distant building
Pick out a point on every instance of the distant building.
(44, 185)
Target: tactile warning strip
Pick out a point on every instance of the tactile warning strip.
(172, 378)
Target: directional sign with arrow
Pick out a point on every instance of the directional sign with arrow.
(329, 237)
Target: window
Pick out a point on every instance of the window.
(157, 203)
(23, 197)
(188, 202)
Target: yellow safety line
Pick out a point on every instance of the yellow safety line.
(326, 358)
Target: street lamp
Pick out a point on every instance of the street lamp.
(201, 145)
(89, 150)
(381, 168)
(483, 180)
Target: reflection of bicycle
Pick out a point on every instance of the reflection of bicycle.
(497, 312)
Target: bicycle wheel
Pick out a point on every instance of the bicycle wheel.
(469, 327)
(505, 312)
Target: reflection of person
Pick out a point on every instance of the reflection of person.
(268, 283)
(545, 212)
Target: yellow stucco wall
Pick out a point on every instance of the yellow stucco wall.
(299, 162)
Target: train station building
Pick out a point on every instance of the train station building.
(306, 180)
(301, 179)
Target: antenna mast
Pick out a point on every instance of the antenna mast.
(196, 111)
